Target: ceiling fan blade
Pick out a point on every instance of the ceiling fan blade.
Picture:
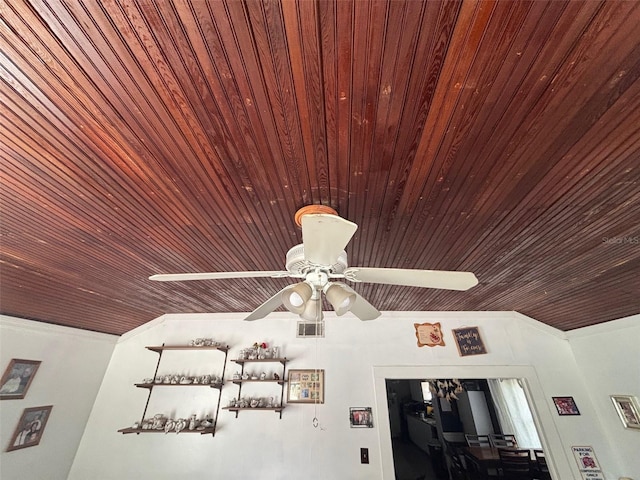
(413, 278)
(179, 277)
(363, 309)
(325, 236)
(267, 307)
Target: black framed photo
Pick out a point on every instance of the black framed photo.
(30, 427)
(17, 378)
(360, 417)
(566, 406)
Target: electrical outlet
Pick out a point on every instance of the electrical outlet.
(364, 455)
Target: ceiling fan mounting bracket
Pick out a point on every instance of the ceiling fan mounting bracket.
(312, 209)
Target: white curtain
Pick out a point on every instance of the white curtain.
(513, 411)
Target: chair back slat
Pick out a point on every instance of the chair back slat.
(515, 463)
(478, 440)
(503, 440)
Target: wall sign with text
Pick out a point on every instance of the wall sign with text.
(469, 341)
(429, 334)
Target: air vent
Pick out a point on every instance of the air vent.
(310, 330)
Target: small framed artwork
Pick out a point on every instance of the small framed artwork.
(566, 406)
(469, 341)
(17, 378)
(628, 410)
(305, 386)
(30, 427)
(361, 417)
(429, 334)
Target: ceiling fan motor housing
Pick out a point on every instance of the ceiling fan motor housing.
(297, 264)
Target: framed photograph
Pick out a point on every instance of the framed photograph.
(628, 410)
(469, 341)
(566, 406)
(305, 386)
(30, 427)
(17, 378)
(361, 417)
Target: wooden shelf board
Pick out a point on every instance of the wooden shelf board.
(206, 431)
(185, 347)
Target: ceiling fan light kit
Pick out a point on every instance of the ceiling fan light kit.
(340, 298)
(321, 258)
(294, 297)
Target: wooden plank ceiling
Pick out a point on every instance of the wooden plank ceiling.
(142, 137)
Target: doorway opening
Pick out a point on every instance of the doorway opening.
(433, 428)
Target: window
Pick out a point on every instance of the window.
(426, 392)
(513, 411)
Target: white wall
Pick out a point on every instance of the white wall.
(608, 356)
(69, 377)
(355, 356)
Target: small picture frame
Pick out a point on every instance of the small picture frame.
(17, 378)
(628, 410)
(566, 406)
(30, 427)
(469, 341)
(305, 386)
(360, 417)
(429, 334)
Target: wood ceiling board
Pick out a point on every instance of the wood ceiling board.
(495, 137)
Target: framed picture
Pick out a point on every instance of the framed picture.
(469, 341)
(30, 427)
(429, 334)
(361, 417)
(305, 386)
(628, 410)
(566, 406)
(17, 378)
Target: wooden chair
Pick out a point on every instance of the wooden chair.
(473, 469)
(478, 440)
(542, 469)
(500, 440)
(457, 469)
(516, 464)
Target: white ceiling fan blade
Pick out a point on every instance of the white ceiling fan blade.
(325, 236)
(363, 309)
(267, 307)
(413, 278)
(179, 277)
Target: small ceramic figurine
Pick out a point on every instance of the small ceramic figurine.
(158, 421)
(263, 376)
(193, 423)
(180, 425)
(236, 376)
(276, 376)
(170, 425)
(206, 423)
(245, 376)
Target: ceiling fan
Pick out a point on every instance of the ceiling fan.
(319, 261)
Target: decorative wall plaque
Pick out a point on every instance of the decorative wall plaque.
(469, 341)
(429, 334)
